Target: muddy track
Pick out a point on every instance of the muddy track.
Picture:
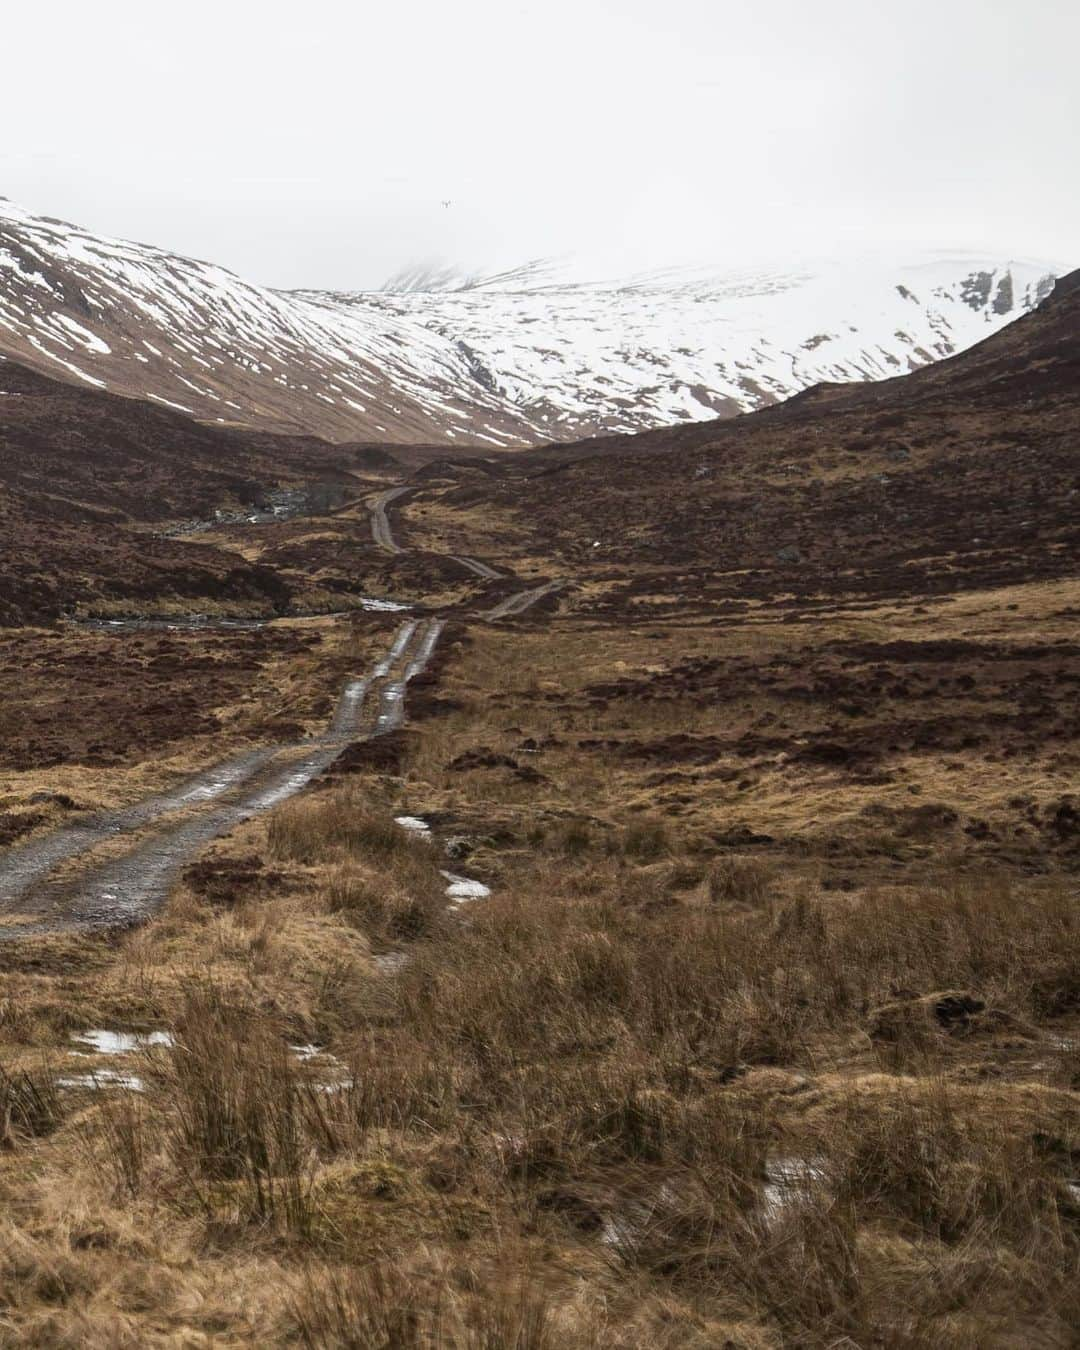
(380, 521)
(383, 535)
(158, 836)
(521, 601)
(481, 569)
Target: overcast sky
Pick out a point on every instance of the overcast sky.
(314, 144)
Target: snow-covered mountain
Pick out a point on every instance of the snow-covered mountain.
(525, 356)
(137, 320)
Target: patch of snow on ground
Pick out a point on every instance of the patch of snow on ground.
(99, 1079)
(101, 1042)
(461, 889)
(413, 824)
(89, 340)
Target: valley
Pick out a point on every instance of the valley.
(615, 893)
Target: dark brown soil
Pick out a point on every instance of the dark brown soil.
(73, 697)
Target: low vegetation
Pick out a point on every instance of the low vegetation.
(711, 1066)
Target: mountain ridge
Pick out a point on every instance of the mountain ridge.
(519, 358)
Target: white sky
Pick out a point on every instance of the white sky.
(313, 144)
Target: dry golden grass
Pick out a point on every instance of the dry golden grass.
(656, 1090)
(590, 1114)
(532, 687)
(484, 531)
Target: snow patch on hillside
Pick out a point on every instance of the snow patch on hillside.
(540, 352)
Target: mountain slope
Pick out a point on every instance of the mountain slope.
(959, 475)
(689, 345)
(191, 336)
(100, 454)
(83, 471)
(520, 358)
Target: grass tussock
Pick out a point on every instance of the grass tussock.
(325, 829)
(399, 904)
(375, 874)
(385, 1305)
(739, 881)
(241, 1116)
(30, 1106)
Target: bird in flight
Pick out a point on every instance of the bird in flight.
(446, 203)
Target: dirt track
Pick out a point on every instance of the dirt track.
(475, 565)
(380, 521)
(102, 889)
(510, 607)
(116, 868)
(521, 601)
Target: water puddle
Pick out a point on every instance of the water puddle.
(789, 1182)
(459, 889)
(104, 1042)
(623, 1230)
(414, 825)
(387, 606)
(306, 1054)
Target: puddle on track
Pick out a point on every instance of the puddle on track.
(127, 889)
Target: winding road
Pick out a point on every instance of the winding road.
(481, 569)
(380, 521)
(383, 534)
(116, 868)
(106, 887)
(510, 607)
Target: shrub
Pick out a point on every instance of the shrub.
(321, 830)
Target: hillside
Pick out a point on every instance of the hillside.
(84, 472)
(193, 337)
(663, 934)
(690, 344)
(956, 475)
(524, 357)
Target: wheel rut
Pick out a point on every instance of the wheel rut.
(76, 879)
(510, 607)
(522, 601)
